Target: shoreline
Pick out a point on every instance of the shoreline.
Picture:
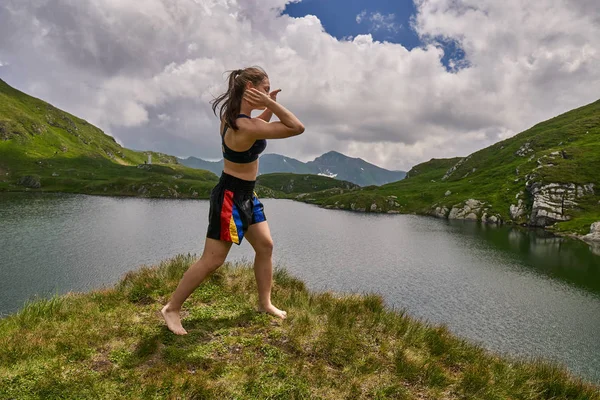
(591, 242)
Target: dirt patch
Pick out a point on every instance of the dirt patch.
(100, 361)
(121, 161)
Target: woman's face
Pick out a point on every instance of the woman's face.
(264, 86)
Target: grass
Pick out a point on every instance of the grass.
(110, 343)
(64, 153)
(290, 185)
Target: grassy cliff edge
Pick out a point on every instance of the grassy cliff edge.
(110, 343)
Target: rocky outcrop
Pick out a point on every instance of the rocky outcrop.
(30, 181)
(518, 211)
(470, 210)
(455, 167)
(490, 219)
(441, 212)
(594, 235)
(524, 150)
(553, 201)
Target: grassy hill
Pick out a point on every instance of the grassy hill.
(45, 149)
(111, 343)
(290, 185)
(548, 174)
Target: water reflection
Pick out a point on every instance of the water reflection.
(558, 257)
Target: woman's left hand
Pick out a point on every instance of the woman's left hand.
(273, 94)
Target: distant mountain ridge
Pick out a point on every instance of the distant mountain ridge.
(332, 164)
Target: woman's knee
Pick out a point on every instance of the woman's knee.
(264, 247)
(213, 262)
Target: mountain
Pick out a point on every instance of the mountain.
(546, 176)
(331, 164)
(216, 167)
(273, 163)
(43, 148)
(355, 170)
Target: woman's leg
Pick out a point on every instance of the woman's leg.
(214, 255)
(259, 236)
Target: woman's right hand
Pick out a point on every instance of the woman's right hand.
(257, 98)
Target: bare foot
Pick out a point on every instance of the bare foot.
(173, 320)
(273, 311)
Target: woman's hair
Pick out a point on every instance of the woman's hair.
(231, 100)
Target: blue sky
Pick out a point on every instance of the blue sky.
(385, 20)
(339, 17)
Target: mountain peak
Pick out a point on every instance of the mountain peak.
(333, 156)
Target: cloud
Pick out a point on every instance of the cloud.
(379, 22)
(361, 16)
(146, 71)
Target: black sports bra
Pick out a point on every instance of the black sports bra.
(242, 157)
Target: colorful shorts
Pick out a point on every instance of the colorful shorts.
(233, 208)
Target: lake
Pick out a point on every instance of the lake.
(512, 290)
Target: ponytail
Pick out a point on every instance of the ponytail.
(231, 101)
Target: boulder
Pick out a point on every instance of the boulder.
(30, 181)
(441, 212)
(517, 211)
(594, 235)
(469, 210)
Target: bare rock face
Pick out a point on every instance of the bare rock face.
(553, 201)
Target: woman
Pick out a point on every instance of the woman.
(235, 211)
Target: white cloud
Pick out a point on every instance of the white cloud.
(379, 22)
(123, 65)
(361, 16)
(384, 22)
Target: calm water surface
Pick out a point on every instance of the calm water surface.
(511, 290)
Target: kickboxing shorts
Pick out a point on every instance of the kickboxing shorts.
(233, 208)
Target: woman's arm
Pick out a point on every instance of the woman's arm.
(288, 124)
(267, 114)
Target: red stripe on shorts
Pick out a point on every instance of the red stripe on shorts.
(226, 211)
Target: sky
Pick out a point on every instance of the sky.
(393, 82)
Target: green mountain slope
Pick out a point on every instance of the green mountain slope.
(294, 184)
(548, 175)
(45, 149)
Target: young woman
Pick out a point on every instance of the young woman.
(235, 211)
